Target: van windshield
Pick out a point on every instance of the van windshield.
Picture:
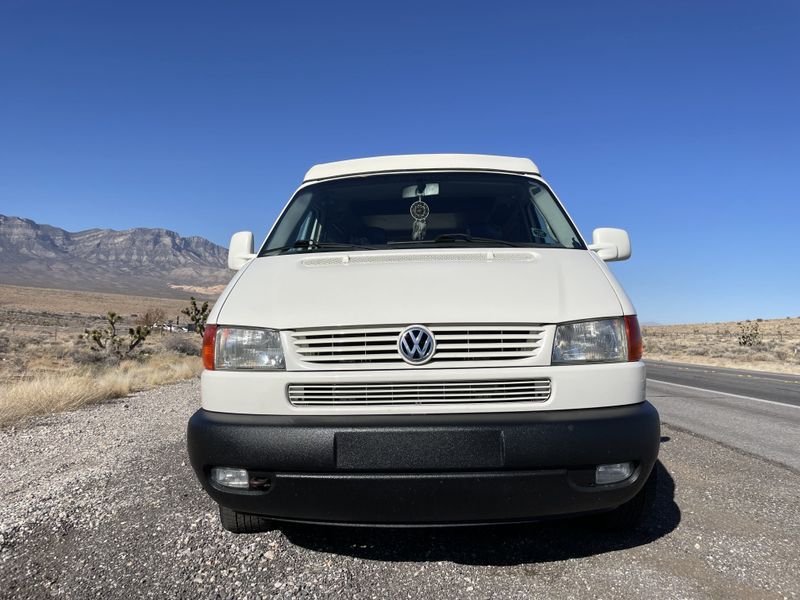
(422, 210)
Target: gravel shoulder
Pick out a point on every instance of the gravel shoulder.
(101, 502)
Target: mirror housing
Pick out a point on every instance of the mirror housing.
(241, 250)
(611, 244)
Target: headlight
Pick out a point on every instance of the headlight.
(242, 348)
(604, 340)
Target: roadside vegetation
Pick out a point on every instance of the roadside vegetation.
(759, 344)
(56, 360)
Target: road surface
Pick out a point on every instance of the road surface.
(776, 387)
(101, 503)
(765, 423)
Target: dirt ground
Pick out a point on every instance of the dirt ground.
(40, 328)
(775, 345)
(43, 300)
(47, 366)
(72, 527)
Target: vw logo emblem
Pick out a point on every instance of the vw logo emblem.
(416, 345)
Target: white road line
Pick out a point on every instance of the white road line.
(773, 377)
(699, 389)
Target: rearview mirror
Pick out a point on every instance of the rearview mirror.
(611, 244)
(423, 189)
(241, 250)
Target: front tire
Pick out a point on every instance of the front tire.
(630, 515)
(237, 522)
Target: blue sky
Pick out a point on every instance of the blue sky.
(679, 121)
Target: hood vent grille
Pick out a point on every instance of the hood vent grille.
(396, 257)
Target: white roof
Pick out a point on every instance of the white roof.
(422, 162)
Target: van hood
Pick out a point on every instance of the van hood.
(398, 287)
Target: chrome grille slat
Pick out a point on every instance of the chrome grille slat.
(440, 392)
(499, 327)
(346, 348)
(345, 332)
(339, 357)
(490, 336)
(430, 397)
(447, 354)
(423, 384)
(454, 342)
(416, 392)
(487, 345)
(347, 340)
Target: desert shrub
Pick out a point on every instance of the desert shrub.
(60, 351)
(761, 357)
(5, 343)
(749, 334)
(152, 317)
(182, 345)
(197, 315)
(84, 356)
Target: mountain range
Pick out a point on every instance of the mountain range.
(144, 262)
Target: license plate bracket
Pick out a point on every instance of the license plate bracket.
(429, 450)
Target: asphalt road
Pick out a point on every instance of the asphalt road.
(776, 387)
(764, 429)
(101, 503)
(754, 412)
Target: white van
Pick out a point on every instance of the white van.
(424, 340)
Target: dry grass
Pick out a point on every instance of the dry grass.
(45, 393)
(46, 367)
(717, 344)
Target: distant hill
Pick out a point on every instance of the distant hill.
(153, 262)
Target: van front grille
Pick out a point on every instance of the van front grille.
(454, 343)
(422, 393)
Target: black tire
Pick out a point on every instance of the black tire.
(237, 522)
(631, 514)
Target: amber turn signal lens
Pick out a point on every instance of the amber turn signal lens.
(635, 346)
(209, 343)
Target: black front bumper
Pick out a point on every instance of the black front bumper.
(426, 469)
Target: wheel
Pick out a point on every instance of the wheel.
(629, 515)
(237, 522)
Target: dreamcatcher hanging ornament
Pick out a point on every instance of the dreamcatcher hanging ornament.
(419, 211)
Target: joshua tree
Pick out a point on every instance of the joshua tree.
(749, 335)
(110, 341)
(197, 315)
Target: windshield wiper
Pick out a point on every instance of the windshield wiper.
(311, 244)
(458, 237)
(463, 237)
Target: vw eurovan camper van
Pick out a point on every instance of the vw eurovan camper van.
(424, 340)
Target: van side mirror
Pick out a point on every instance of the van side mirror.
(241, 249)
(611, 244)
